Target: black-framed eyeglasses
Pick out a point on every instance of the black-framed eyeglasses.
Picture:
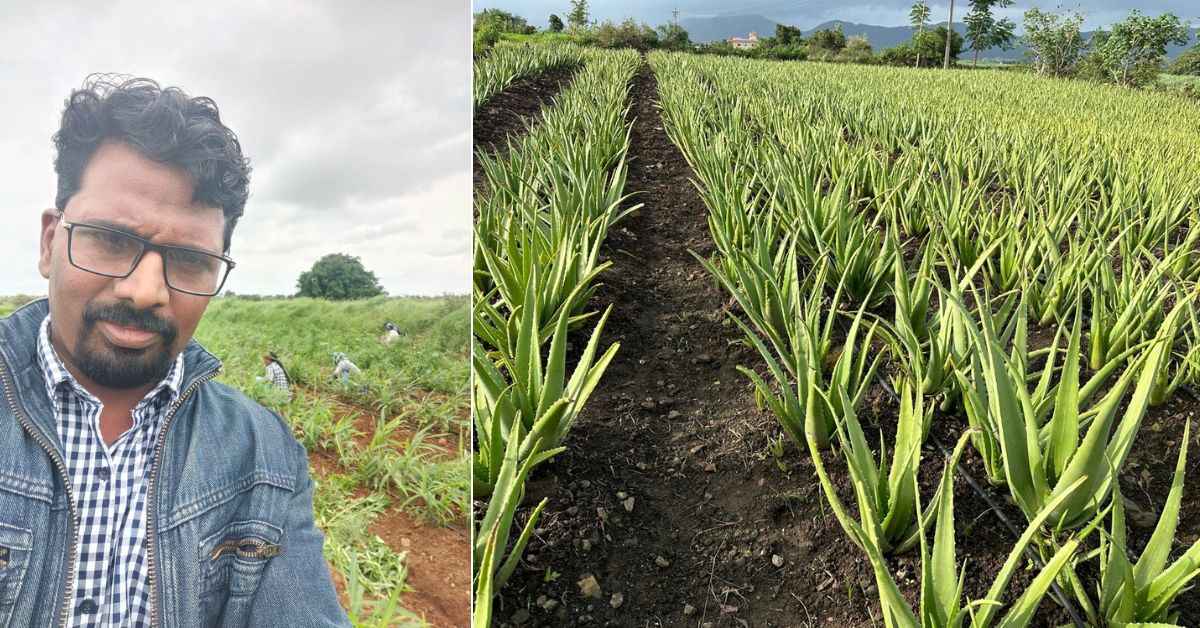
(115, 253)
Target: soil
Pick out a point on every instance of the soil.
(513, 110)
(668, 507)
(438, 558)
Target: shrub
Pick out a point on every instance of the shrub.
(1187, 63)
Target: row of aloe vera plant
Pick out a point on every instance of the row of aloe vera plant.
(953, 220)
(507, 62)
(546, 207)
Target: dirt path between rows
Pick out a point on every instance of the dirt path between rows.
(666, 496)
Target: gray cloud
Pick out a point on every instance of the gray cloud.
(356, 117)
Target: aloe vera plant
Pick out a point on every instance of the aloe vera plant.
(507, 63)
(1143, 591)
(494, 558)
(885, 491)
(1082, 223)
(547, 206)
(1037, 470)
(941, 603)
(923, 343)
(540, 398)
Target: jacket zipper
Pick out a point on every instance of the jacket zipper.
(23, 419)
(249, 547)
(151, 493)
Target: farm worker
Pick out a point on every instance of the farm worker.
(276, 374)
(172, 498)
(343, 367)
(391, 333)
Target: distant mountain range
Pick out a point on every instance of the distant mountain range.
(708, 29)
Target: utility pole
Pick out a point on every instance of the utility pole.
(675, 17)
(949, 36)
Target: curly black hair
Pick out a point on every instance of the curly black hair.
(164, 125)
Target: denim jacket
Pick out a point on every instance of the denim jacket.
(231, 539)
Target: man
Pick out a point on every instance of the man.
(134, 490)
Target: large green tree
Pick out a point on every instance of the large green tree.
(1187, 63)
(788, 35)
(831, 39)
(934, 42)
(1055, 41)
(1131, 54)
(555, 23)
(672, 36)
(984, 31)
(502, 21)
(918, 16)
(338, 277)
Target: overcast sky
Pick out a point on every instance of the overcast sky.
(809, 13)
(357, 122)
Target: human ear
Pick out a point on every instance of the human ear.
(50, 218)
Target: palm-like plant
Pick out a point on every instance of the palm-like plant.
(918, 16)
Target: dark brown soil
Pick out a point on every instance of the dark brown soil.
(668, 495)
(512, 111)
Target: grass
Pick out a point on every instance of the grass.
(540, 37)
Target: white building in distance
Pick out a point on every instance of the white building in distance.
(744, 42)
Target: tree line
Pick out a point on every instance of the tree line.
(1130, 53)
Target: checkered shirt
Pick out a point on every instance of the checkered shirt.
(111, 586)
(278, 377)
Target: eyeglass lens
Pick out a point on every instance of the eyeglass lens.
(114, 254)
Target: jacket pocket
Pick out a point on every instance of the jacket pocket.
(16, 544)
(233, 559)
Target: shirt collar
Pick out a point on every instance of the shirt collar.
(55, 373)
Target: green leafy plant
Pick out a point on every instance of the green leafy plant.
(1143, 592)
(1036, 470)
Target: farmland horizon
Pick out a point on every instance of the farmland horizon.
(885, 13)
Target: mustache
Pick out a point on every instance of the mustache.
(125, 315)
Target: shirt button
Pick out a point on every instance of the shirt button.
(87, 607)
(102, 474)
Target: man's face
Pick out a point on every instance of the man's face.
(124, 333)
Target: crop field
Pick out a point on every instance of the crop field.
(387, 449)
(803, 344)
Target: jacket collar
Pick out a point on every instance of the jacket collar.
(18, 349)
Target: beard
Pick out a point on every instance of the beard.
(121, 367)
